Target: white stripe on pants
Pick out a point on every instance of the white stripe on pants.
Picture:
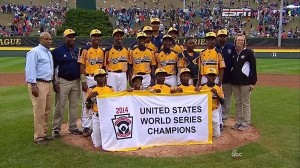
(96, 134)
(171, 80)
(146, 80)
(117, 80)
(86, 117)
(216, 122)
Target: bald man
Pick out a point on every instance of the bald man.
(39, 73)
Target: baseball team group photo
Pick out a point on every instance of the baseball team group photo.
(133, 83)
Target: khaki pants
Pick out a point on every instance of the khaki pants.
(68, 90)
(41, 109)
(242, 104)
(227, 89)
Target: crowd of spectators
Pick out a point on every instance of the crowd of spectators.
(27, 17)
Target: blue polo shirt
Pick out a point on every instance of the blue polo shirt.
(65, 60)
(227, 53)
(157, 41)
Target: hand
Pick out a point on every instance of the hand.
(93, 94)
(157, 91)
(130, 90)
(197, 89)
(35, 90)
(84, 86)
(56, 87)
(179, 90)
(251, 87)
(172, 91)
(213, 90)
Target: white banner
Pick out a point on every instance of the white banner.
(133, 120)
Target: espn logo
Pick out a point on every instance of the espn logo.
(236, 12)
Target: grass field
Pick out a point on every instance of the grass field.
(275, 112)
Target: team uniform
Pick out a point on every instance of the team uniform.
(190, 88)
(168, 60)
(190, 61)
(92, 59)
(116, 64)
(96, 134)
(210, 58)
(216, 109)
(141, 62)
(151, 46)
(163, 87)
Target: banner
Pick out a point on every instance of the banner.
(133, 120)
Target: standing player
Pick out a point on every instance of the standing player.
(173, 32)
(91, 59)
(142, 62)
(156, 34)
(211, 58)
(189, 58)
(148, 31)
(91, 103)
(116, 60)
(168, 59)
(227, 50)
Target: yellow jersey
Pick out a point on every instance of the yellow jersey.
(211, 58)
(175, 47)
(141, 60)
(215, 101)
(167, 60)
(91, 58)
(190, 88)
(151, 46)
(101, 91)
(116, 58)
(163, 87)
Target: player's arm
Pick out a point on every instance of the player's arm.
(199, 72)
(219, 95)
(130, 67)
(153, 67)
(82, 60)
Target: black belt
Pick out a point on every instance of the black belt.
(118, 71)
(141, 73)
(42, 80)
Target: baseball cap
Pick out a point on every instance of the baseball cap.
(154, 20)
(147, 28)
(210, 34)
(173, 29)
(135, 78)
(100, 72)
(69, 32)
(160, 70)
(184, 70)
(211, 71)
(141, 34)
(167, 36)
(95, 31)
(222, 32)
(118, 31)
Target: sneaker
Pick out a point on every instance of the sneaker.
(243, 127)
(86, 132)
(48, 138)
(75, 132)
(55, 134)
(41, 142)
(236, 126)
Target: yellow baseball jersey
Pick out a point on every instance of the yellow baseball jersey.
(141, 60)
(177, 48)
(211, 58)
(116, 58)
(215, 101)
(190, 88)
(151, 46)
(164, 88)
(168, 61)
(91, 58)
(100, 91)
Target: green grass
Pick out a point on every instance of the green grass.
(275, 114)
(278, 66)
(274, 66)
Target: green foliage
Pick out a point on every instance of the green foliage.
(83, 21)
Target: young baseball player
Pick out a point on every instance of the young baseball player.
(160, 86)
(136, 83)
(173, 32)
(100, 76)
(148, 31)
(218, 98)
(91, 59)
(185, 76)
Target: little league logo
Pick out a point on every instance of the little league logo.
(123, 126)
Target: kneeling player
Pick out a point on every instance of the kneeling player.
(185, 76)
(101, 88)
(160, 86)
(136, 83)
(218, 98)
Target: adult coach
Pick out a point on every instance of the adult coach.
(156, 34)
(39, 73)
(142, 62)
(116, 62)
(91, 59)
(67, 84)
(227, 50)
(244, 78)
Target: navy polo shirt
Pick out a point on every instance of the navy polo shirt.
(65, 60)
(157, 41)
(227, 53)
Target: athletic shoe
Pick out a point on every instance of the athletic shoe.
(86, 132)
(41, 142)
(75, 132)
(55, 134)
(243, 127)
(48, 138)
(236, 126)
